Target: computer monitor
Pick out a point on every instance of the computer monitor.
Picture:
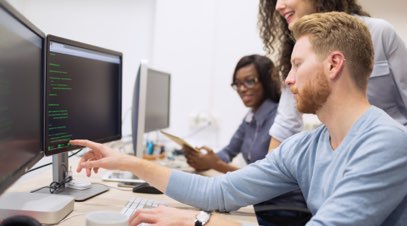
(83, 100)
(21, 76)
(83, 94)
(21, 116)
(151, 104)
(157, 107)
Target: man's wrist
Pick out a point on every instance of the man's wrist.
(202, 218)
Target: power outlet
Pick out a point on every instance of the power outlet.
(202, 119)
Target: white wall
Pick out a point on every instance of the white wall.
(394, 11)
(198, 41)
(121, 25)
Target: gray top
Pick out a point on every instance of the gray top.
(387, 88)
(251, 138)
(362, 182)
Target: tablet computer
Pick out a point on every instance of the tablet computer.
(179, 140)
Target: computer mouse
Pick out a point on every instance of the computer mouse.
(79, 184)
(20, 220)
(146, 188)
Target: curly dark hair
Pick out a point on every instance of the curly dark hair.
(267, 76)
(277, 37)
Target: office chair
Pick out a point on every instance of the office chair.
(288, 209)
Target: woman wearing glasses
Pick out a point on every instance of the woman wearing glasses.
(259, 89)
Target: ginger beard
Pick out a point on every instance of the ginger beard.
(313, 95)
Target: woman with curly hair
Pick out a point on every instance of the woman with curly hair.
(387, 86)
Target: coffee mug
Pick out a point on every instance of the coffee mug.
(106, 218)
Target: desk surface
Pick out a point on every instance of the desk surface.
(113, 200)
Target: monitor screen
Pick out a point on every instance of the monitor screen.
(21, 76)
(83, 94)
(157, 115)
(151, 104)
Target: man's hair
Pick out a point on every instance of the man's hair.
(274, 29)
(265, 69)
(338, 31)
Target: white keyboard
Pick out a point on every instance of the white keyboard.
(138, 203)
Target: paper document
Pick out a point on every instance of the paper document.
(179, 140)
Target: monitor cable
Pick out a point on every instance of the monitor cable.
(55, 187)
(42, 166)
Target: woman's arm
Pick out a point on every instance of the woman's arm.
(207, 159)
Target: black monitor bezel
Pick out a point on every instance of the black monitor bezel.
(31, 162)
(53, 38)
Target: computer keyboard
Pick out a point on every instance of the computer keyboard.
(138, 203)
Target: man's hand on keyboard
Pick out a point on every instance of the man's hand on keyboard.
(163, 215)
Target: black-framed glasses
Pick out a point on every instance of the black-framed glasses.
(247, 83)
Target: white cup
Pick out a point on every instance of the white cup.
(106, 218)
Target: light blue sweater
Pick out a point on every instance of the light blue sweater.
(362, 182)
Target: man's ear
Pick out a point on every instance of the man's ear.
(335, 64)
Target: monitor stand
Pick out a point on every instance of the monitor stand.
(60, 170)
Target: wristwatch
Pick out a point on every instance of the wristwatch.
(202, 218)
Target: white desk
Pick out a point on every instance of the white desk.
(113, 200)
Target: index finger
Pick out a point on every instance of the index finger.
(86, 143)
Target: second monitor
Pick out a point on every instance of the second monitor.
(83, 94)
(150, 112)
(151, 104)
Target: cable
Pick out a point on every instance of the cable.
(42, 166)
(72, 216)
(39, 189)
(56, 186)
(75, 153)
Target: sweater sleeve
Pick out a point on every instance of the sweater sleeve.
(235, 189)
